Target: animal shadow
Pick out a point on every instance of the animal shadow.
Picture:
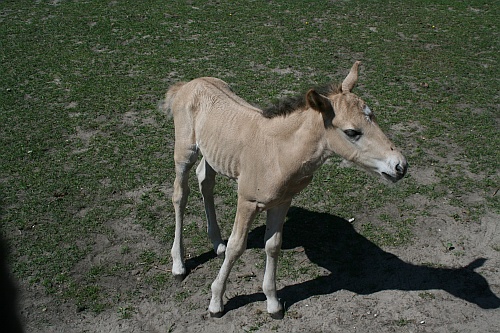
(360, 266)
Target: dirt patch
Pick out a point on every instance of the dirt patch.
(446, 280)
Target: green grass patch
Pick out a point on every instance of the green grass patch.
(393, 233)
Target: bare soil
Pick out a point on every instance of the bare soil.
(428, 286)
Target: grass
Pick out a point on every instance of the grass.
(403, 322)
(83, 143)
(427, 295)
(125, 312)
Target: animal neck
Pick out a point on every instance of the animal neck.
(299, 138)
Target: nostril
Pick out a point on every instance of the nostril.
(401, 169)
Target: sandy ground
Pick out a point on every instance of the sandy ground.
(358, 287)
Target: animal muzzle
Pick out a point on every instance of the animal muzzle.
(398, 172)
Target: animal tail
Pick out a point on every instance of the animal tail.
(165, 105)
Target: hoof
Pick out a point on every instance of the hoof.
(216, 314)
(179, 277)
(278, 315)
(221, 251)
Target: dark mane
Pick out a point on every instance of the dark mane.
(288, 105)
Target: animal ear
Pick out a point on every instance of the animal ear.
(318, 102)
(351, 78)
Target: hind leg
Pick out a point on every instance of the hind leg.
(206, 180)
(185, 156)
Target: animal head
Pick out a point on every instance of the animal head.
(353, 133)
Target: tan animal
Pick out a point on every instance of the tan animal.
(272, 154)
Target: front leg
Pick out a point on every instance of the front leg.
(236, 245)
(273, 238)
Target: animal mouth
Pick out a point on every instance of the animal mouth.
(392, 178)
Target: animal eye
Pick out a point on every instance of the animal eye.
(353, 134)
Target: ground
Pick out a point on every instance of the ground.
(86, 167)
(359, 287)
